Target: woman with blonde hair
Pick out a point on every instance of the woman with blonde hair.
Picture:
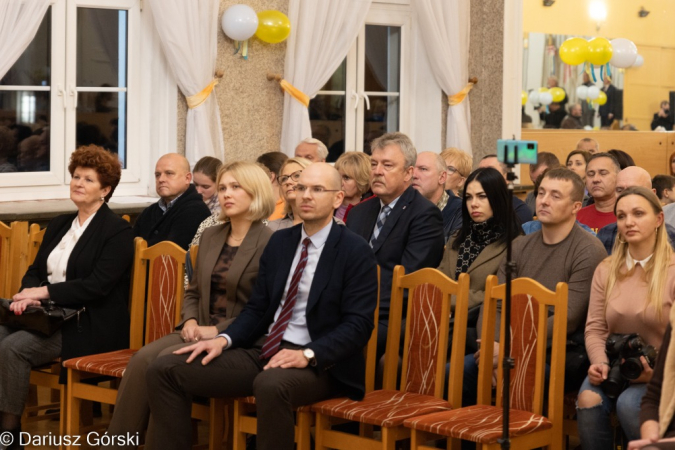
(288, 177)
(354, 168)
(459, 166)
(224, 275)
(631, 294)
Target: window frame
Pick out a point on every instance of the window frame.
(381, 13)
(54, 183)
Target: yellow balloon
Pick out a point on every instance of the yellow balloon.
(523, 97)
(602, 98)
(599, 51)
(574, 51)
(557, 93)
(273, 26)
(543, 89)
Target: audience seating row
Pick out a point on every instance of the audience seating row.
(414, 407)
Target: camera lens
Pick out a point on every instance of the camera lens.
(614, 385)
(631, 368)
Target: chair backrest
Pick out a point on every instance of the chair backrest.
(371, 348)
(35, 236)
(530, 306)
(13, 257)
(425, 349)
(157, 291)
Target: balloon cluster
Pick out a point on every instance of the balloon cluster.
(620, 52)
(240, 23)
(544, 96)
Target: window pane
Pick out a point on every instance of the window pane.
(327, 116)
(24, 131)
(382, 117)
(338, 81)
(101, 47)
(33, 68)
(101, 120)
(383, 58)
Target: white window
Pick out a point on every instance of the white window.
(76, 84)
(369, 94)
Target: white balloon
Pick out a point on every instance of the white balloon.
(534, 97)
(582, 92)
(593, 92)
(624, 53)
(545, 98)
(239, 22)
(639, 61)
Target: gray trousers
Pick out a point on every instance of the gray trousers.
(132, 409)
(19, 352)
(236, 373)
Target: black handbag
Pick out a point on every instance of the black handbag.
(45, 320)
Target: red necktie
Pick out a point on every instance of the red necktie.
(271, 345)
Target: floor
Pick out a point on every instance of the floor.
(44, 434)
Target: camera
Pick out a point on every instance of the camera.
(624, 351)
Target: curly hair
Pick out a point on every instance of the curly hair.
(105, 163)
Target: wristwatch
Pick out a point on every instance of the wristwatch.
(309, 354)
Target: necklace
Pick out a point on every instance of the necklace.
(237, 239)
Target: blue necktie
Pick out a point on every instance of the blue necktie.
(380, 223)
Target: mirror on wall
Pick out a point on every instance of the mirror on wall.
(543, 69)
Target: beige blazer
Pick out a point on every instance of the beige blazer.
(240, 277)
(487, 263)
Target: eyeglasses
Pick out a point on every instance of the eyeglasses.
(314, 189)
(452, 170)
(295, 176)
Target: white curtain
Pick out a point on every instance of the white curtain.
(322, 32)
(188, 30)
(19, 22)
(444, 25)
(159, 95)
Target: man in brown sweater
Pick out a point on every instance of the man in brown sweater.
(560, 251)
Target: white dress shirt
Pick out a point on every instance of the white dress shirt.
(632, 262)
(57, 261)
(297, 332)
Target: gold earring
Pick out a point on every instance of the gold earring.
(622, 241)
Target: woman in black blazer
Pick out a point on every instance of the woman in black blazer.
(84, 261)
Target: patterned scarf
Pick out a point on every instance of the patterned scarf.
(481, 235)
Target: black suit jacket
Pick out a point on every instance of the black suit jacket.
(340, 309)
(97, 277)
(179, 224)
(411, 236)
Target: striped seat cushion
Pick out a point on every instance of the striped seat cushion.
(112, 364)
(385, 408)
(480, 423)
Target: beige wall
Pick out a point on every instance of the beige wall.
(250, 106)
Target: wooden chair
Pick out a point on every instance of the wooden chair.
(35, 236)
(159, 270)
(528, 427)
(420, 390)
(13, 257)
(245, 421)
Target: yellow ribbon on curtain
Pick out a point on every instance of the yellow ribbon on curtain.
(294, 92)
(459, 97)
(194, 101)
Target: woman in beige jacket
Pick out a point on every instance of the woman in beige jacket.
(224, 275)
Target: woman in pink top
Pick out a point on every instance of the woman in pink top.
(632, 292)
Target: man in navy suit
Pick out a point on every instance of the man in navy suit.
(400, 224)
(300, 338)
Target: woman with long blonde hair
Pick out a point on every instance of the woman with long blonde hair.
(632, 294)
